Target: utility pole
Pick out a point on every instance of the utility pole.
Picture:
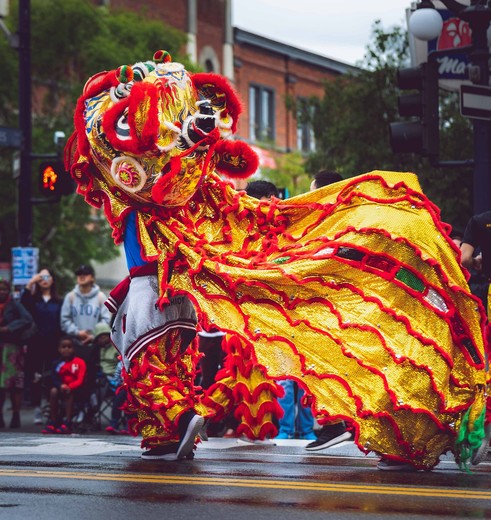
(24, 206)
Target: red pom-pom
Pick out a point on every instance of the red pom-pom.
(236, 159)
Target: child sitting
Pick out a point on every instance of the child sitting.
(68, 374)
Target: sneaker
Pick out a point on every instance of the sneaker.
(329, 436)
(65, 429)
(482, 452)
(112, 430)
(50, 429)
(394, 465)
(38, 416)
(282, 436)
(163, 452)
(309, 436)
(258, 442)
(189, 426)
(230, 434)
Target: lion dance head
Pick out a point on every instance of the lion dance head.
(148, 134)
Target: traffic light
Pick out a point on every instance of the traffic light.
(419, 136)
(54, 181)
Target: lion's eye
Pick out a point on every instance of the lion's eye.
(122, 127)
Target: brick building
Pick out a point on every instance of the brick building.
(265, 72)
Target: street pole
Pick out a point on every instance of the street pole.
(478, 17)
(24, 207)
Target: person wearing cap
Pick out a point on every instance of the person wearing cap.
(83, 307)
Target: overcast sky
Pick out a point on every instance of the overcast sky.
(338, 29)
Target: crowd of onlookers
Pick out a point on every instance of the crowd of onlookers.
(56, 353)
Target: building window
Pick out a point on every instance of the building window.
(261, 113)
(305, 132)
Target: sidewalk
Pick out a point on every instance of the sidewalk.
(27, 422)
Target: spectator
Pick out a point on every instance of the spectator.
(324, 178)
(68, 376)
(478, 281)
(262, 190)
(14, 320)
(477, 237)
(43, 303)
(83, 307)
(297, 418)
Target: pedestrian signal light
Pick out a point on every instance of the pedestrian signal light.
(54, 181)
(49, 178)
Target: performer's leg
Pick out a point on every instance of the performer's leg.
(287, 403)
(160, 391)
(305, 419)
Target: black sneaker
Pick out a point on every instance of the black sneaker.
(330, 435)
(189, 426)
(163, 452)
(394, 465)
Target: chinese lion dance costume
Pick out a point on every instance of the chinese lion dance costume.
(354, 290)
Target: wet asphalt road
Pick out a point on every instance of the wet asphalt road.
(103, 477)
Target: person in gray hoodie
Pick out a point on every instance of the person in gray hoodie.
(83, 307)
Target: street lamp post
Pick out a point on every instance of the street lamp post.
(424, 25)
(24, 206)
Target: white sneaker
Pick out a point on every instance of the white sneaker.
(38, 416)
(257, 442)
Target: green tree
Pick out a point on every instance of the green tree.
(70, 41)
(289, 173)
(351, 123)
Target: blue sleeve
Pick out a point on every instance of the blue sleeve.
(132, 247)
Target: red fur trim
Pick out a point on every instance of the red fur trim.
(95, 85)
(220, 92)
(268, 429)
(243, 412)
(236, 159)
(137, 144)
(141, 94)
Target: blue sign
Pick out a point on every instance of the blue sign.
(25, 264)
(10, 137)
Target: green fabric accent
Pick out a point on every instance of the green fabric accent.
(405, 276)
(281, 260)
(468, 442)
